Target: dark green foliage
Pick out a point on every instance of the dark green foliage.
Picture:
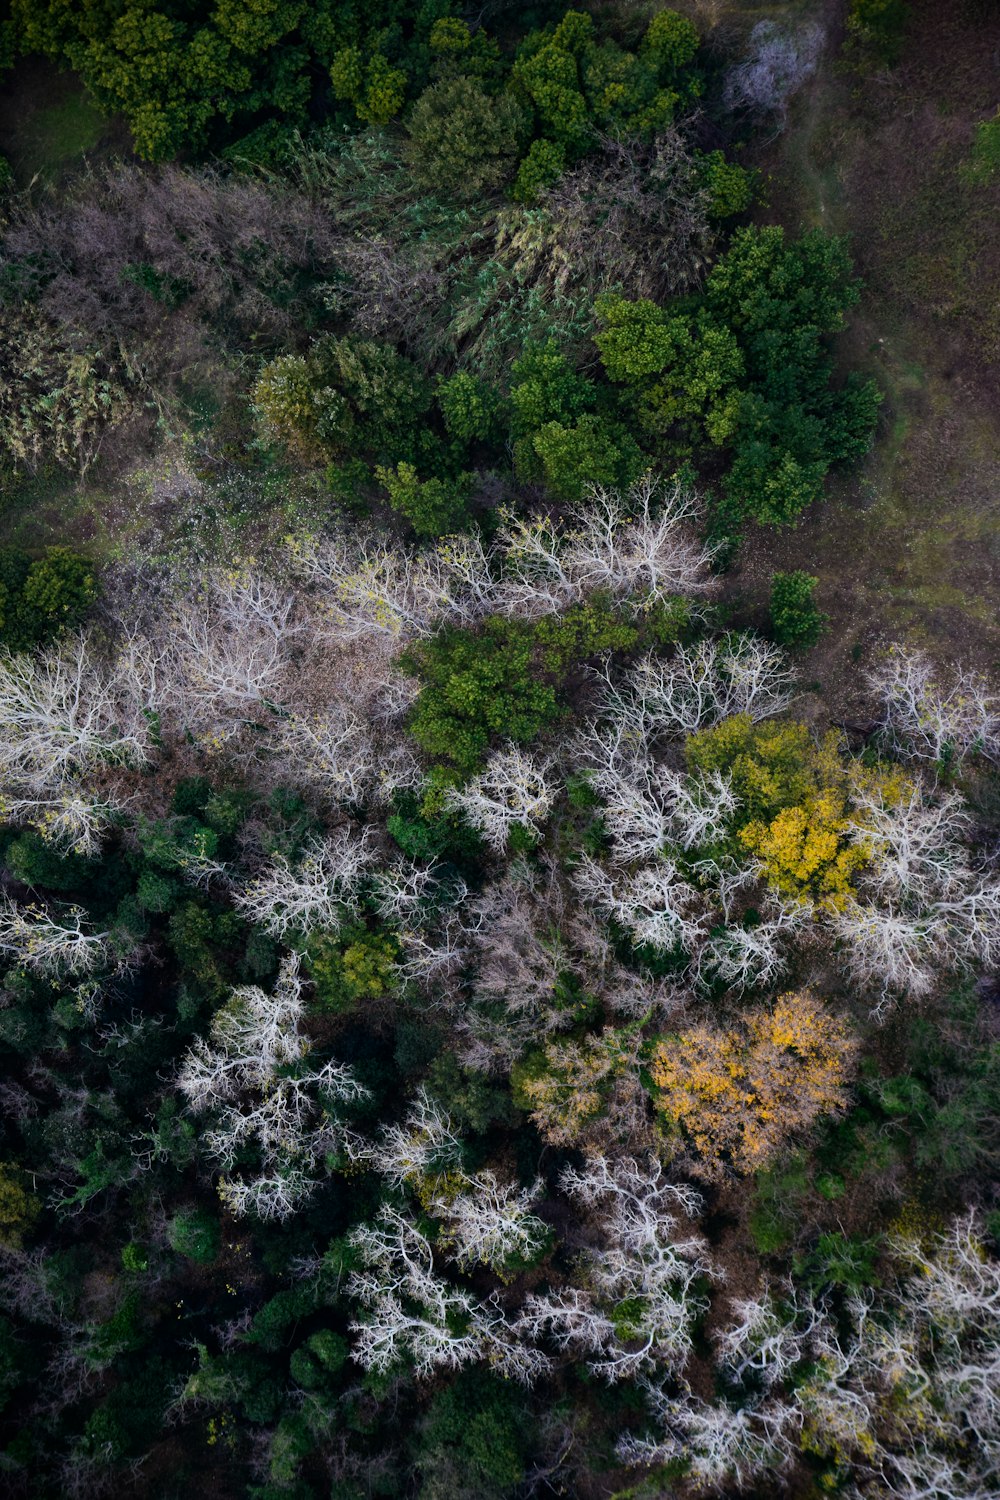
(190, 75)
(195, 1232)
(433, 507)
(796, 620)
(579, 86)
(477, 1432)
(425, 833)
(875, 30)
(840, 1260)
(470, 408)
(347, 396)
(744, 367)
(502, 680)
(41, 598)
(351, 968)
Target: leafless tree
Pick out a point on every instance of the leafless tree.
(925, 720)
(512, 791)
(40, 940)
(317, 891)
(640, 1263)
(254, 1078)
(778, 62)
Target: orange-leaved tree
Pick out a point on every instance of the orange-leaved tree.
(735, 1097)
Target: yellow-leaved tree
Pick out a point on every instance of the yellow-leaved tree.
(735, 1097)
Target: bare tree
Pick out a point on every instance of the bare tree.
(318, 891)
(779, 61)
(229, 649)
(720, 1445)
(700, 686)
(412, 1314)
(655, 904)
(489, 1222)
(66, 710)
(640, 1264)
(927, 721)
(255, 1079)
(39, 940)
(512, 791)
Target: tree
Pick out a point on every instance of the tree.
(42, 598)
(229, 651)
(65, 710)
(319, 891)
(717, 1443)
(254, 1077)
(413, 1316)
(465, 141)
(434, 507)
(736, 1097)
(923, 720)
(510, 793)
(40, 940)
(566, 1085)
(655, 904)
(489, 1222)
(700, 685)
(641, 1298)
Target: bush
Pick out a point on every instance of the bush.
(543, 165)
(795, 619)
(195, 1233)
(986, 149)
(465, 142)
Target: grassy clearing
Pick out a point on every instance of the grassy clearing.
(909, 544)
(48, 122)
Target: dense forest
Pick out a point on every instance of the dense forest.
(499, 750)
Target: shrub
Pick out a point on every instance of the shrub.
(195, 1233)
(985, 162)
(795, 619)
(465, 142)
(542, 166)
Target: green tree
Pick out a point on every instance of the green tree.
(464, 141)
(195, 1233)
(434, 506)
